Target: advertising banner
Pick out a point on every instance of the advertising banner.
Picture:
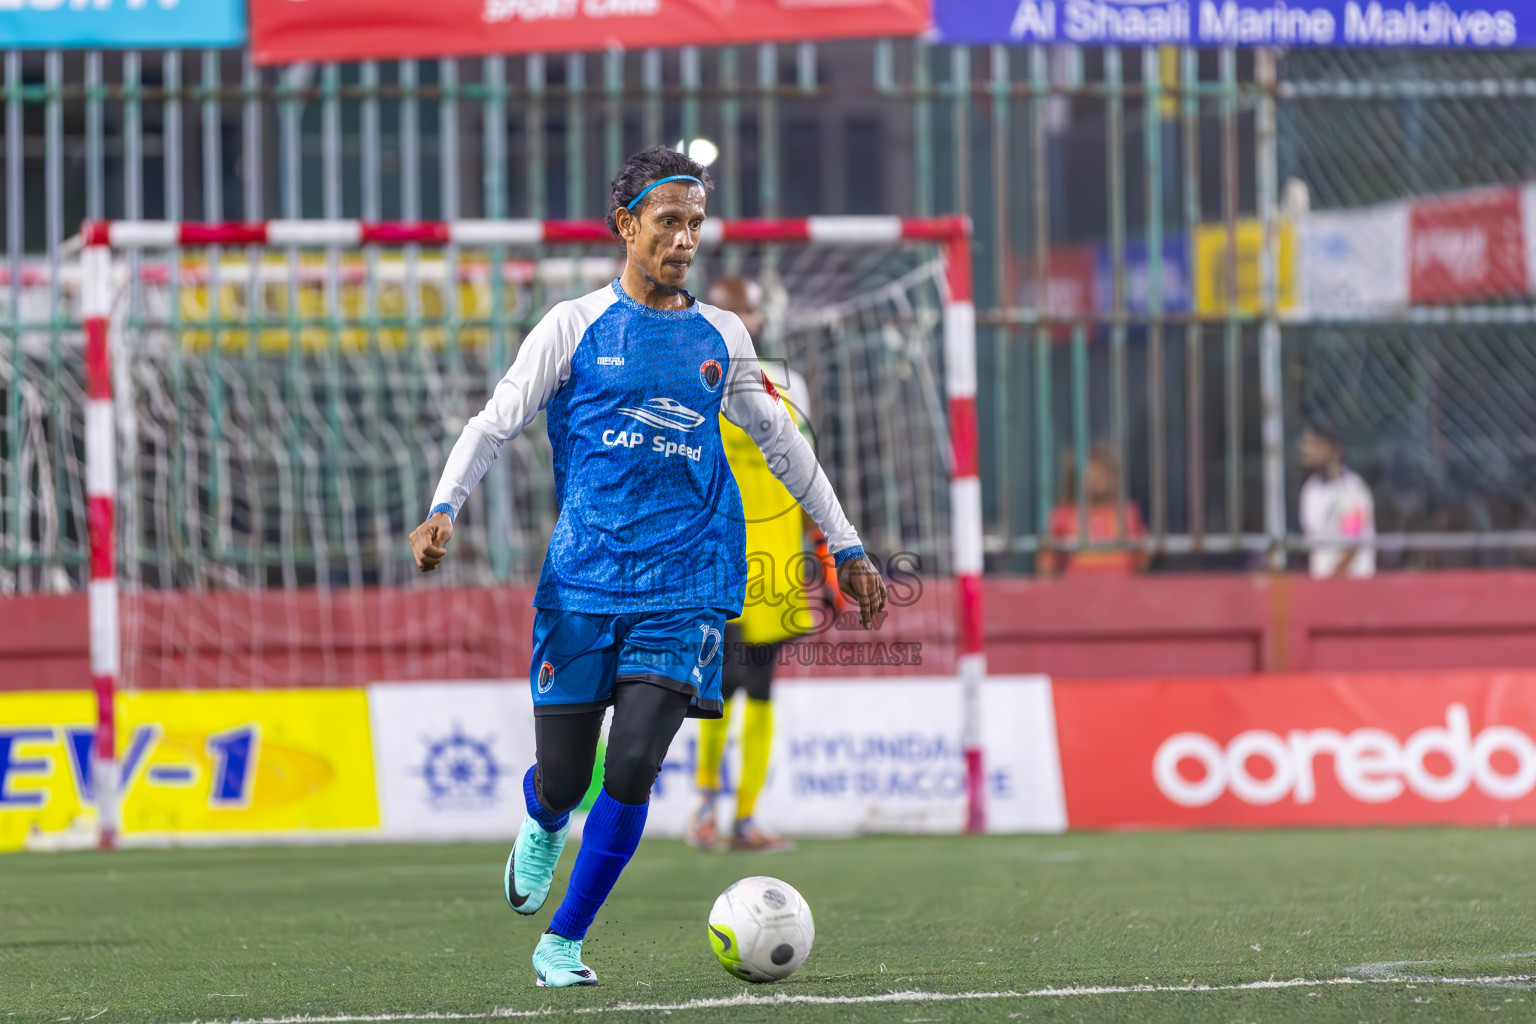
(1070, 281)
(45, 743)
(1214, 287)
(444, 761)
(1466, 246)
(848, 757)
(1444, 24)
(1356, 749)
(451, 757)
(1353, 261)
(882, 755)
(283, 31)
(1528, 231)
(1069, 284)
(1137, 270)
(193, 765)
(121, 23)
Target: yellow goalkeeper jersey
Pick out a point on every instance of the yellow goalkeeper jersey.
(776, 603)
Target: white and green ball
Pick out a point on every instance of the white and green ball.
(761, 929)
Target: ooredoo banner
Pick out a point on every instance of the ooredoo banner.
(283, 31)
(1357, 749)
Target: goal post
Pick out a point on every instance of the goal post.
(101, 241)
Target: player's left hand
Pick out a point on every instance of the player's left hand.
(860, 580)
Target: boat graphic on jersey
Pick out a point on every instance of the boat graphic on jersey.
(667, 413)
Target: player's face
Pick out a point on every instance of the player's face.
(664, 239)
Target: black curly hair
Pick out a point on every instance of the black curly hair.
(640, 170)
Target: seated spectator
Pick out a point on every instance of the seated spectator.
(1103, 490)
(1338, 514)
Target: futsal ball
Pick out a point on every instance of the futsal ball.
(761, 929)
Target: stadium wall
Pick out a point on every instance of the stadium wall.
(1076, 627)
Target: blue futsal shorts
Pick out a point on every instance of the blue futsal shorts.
(577, 658)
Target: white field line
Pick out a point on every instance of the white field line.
(1392, 969)
(779, 999)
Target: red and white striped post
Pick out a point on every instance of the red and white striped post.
(954, 233)
(965, 510)
(101, 497)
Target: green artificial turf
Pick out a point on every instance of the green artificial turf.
(183, 935)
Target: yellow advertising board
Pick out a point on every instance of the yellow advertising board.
(275, 298)
(1213, 272)
(44, 738)
(191, 763)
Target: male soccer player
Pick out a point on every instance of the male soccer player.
(776, 610)
(647, 558)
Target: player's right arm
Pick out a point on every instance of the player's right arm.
(542, 365)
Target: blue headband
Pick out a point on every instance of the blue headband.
(661, 181)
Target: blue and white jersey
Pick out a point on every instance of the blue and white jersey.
(650, 517)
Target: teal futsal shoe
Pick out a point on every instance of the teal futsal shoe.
(557, 963)
(531, 866)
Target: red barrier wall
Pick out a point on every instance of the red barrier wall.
(1067, 628)
(1230, 625)
(346, 638)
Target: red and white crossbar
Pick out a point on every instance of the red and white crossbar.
(825, 230)
(99, 238)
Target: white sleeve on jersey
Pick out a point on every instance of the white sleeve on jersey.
(750, 405)
(542, 365)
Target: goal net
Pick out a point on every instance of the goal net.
(268, 409)
(282, 414)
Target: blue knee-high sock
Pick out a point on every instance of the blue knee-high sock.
(607, 842)
(537, 811)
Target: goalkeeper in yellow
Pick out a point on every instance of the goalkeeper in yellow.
(775, 610)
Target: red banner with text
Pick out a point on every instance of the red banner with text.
(284, 31)
(1356, 749)
(1467, 246)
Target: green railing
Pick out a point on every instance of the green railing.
(1125, 158)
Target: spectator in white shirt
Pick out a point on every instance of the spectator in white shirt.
(1338, 515)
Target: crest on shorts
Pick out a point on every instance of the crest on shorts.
(710, 374)
(546, 677)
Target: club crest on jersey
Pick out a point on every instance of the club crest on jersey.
(664, 412)
(546, 677)
(710, 374)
